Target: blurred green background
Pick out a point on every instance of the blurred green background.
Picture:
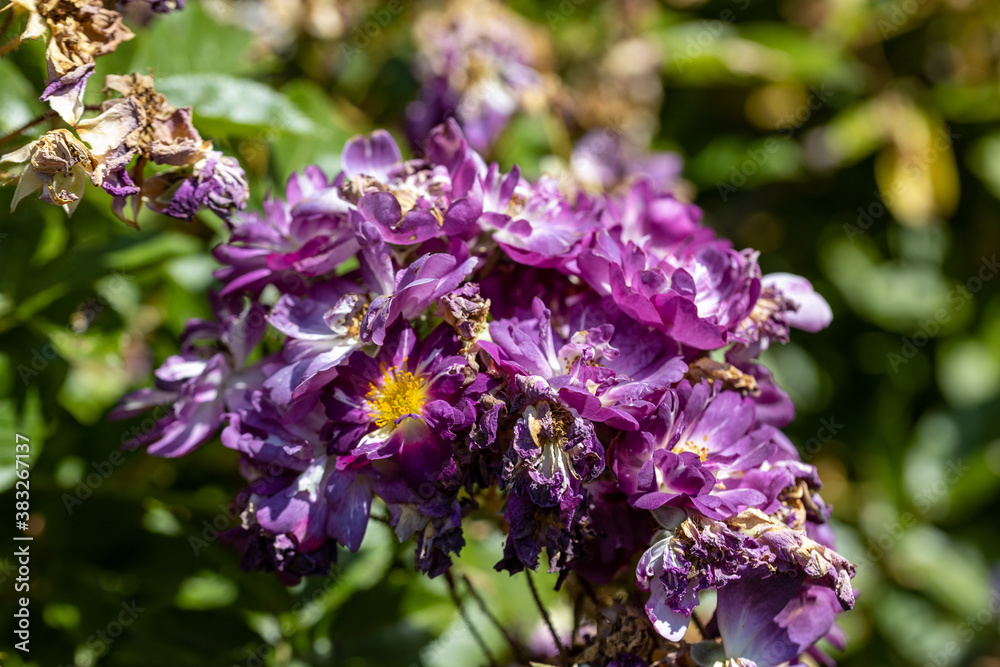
(851, 141)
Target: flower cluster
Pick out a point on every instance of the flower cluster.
(447, 331)
(138, 148)
(479, 62)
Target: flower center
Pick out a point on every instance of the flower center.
(690, 446)
(401, 393)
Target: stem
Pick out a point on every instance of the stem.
(563, 655)
(577, 616)
(380, 519)
(6, 22)
(589, 590)
(27, 126)
(468, 622)
(701, 626)
(10, 46)
(48, 115)
(514, 646)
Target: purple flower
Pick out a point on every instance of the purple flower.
(602, 160)
(268, 553)
(65, 93)
(785, 301)
(771, 620)
(321, 502)
(680, 480)
(695, 451)
(422, 283)
(543, 228)
(479, 63)
(302, 237)
(580, 373)
(532, 528)
(699, 554)
(453, 339)
(408, 403)
(414, 201)
(434, 516)
(195, 386)
(795, 552)
(216, 182)
(696, 297)
(322, 330)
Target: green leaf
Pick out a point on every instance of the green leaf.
(144, 251)
(192, 41)
(227, 105)
(19, 102)
(208, 590)
(323, 146)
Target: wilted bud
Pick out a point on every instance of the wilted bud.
(58, 164)
(217, 182)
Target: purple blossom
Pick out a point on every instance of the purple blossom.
(216, 182)
(604, 161)
(424, 282)
(65, 93)
(195, 386)
(785, 301)
(451, 339)
(771, 620)
(409, 403)
(306, 235)
(480, 64)
(414, 201)
(323, 330)
(543, 228)
(699, 554)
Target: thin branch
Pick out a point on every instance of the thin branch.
(380, 519)
(7, 21)
(10, 46)
(701, 626)
(27, 126)
(48, 115)
(589, 590)
(577, 616)
(465, 617)
(563, 654)
(514, 646)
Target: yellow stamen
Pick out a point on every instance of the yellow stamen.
(401, 393)
(690, 446)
